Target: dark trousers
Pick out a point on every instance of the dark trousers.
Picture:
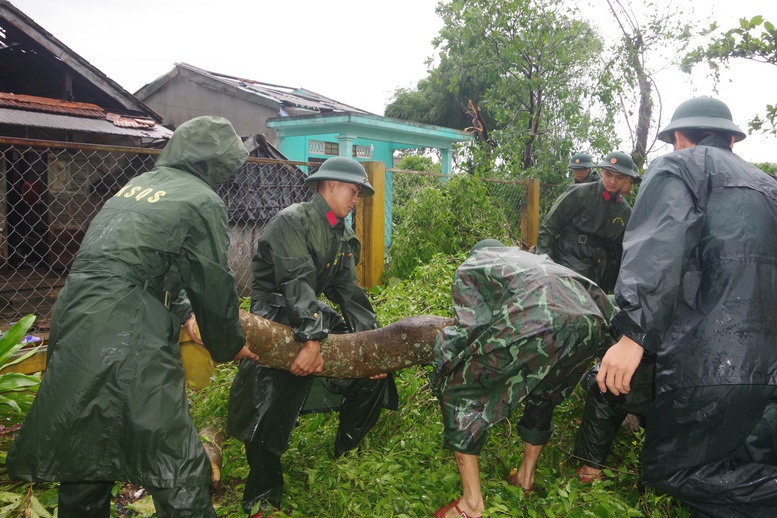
(715, 449)
(602, 417)
(93, 500)
(359, 411)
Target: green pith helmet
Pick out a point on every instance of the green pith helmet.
(620, 162)
(581, 161)
(702, 113)
(341, 169)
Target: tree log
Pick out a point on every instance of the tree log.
(355, 355)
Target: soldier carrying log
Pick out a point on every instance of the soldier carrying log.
(306, 250)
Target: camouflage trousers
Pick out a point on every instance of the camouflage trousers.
(541, 370)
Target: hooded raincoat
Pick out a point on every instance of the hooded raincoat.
(583, 231)
(112, 404)
(698, 288)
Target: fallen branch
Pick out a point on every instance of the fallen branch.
(397, 346)
(212, 437)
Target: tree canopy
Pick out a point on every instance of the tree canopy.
(753, 39)
(533, 81)
(521, 75)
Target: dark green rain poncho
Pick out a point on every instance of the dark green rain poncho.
(112, 404)
(584, 231)
(698, 289)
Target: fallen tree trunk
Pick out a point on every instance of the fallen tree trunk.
(356, 355)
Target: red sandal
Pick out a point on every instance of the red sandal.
(585, 478)
(441, 512)
(512, 479)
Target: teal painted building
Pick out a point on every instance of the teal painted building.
(360, 135)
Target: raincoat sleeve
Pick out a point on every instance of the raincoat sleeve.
(660, 239)
(559, 215)
(210, 284)
(352, 299)
(295, 274)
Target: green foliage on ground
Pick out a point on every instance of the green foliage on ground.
(416, 296)
(17, 391)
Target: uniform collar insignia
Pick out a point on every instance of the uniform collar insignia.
(608, 196)
(331, 218)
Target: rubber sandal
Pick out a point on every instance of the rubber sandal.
(512, 479)
(440, 513)
(585, 478)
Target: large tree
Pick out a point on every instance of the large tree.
(525, 71)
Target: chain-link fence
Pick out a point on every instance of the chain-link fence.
(53, 190)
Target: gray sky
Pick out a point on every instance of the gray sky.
(355, 51)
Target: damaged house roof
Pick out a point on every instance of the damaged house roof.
(46, 84)
(297, 101)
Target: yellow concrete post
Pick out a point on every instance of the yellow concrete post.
(370, 223)
(530, 218)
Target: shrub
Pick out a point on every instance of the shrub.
(447, 218)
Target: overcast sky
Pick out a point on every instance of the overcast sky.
(355, 51)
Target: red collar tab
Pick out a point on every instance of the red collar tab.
(607, 196)
(331, 218)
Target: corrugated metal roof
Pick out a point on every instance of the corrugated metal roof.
(68, 122)
(284, 95)
(290, 96)
(35, 62)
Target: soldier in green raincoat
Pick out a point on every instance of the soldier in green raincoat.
(306, 250)
(525, 329)
(697, 290)
(112, 405)
(584, 228)
(581, 165)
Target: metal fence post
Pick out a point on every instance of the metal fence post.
(370, 214)
(530, 218)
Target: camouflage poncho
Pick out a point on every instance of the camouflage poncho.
(525, 327)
